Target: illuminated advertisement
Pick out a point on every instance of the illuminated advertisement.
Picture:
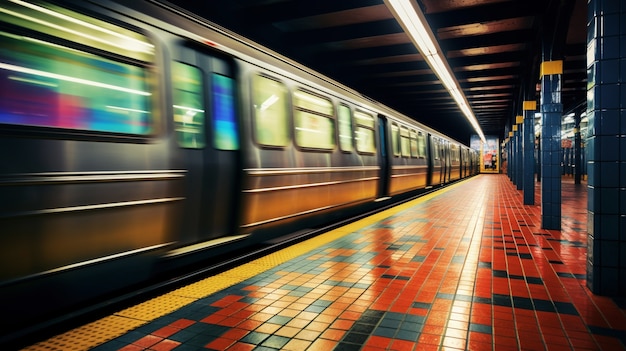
(489, 153)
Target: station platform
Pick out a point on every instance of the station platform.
(467, 267)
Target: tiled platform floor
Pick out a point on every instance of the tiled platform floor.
(467, 269)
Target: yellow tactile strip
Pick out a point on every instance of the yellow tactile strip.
(110, 327)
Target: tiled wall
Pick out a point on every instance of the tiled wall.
(606, 145)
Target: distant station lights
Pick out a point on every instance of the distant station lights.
(410, 16)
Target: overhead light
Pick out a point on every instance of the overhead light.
(412, 20)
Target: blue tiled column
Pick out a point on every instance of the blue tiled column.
(519, 157)
(528, 136)
(577, 151)
(551, 111)
(507, 149)
(538, 160)
(510, 168)
(513, 158)
(606, 146)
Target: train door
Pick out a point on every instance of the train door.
(447, 164)
(205, 123)
(383, 157)
(437, 161)
(431, 162)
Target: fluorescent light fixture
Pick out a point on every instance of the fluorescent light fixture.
(414, 23)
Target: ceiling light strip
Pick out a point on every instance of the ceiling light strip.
(414, 23)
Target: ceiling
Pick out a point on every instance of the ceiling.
(494, 48)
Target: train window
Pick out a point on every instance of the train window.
(395, 139)
(271, 114)
(188, 99)
(49, 85)
(224, 121)
(344, 115)
(413, 141)
(455, 152)
(421, 145)
(405, 142)
(72, 26)
(436, 148)
(313, 121)
(365, 140)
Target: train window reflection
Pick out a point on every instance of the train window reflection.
(224, 121)
(313, 131)
(270, 111)
(454, 150)
(188, 98)
(395, 139)
(413, 141)
(364, 119)
(344, 115)
(421, 145)
(48, 85)
(364, 133)
(306, 101)
(313, 121)
(66, 24)
(404, 141)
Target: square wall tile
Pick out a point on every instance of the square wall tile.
(609, 73)
(609, 253)
(609, 47)
(610, 95)
(610, 7)
(593, 278)
(609, 281)
(590, 245)
(608, 228)
(609, 175)
(611, 21)
(609, 122)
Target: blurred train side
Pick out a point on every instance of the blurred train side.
(213, 144)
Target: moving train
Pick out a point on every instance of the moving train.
(136, 139)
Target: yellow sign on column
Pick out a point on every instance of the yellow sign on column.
(551, 67)
(530, 105)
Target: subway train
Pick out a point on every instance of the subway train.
(137, 139)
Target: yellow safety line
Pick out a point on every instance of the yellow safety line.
(98, 332)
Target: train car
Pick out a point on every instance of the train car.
(409, 165)
(137, 138)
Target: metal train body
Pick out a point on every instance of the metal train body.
(136, 139)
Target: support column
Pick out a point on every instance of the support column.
(528, 137)
(606, 145)
(519, 165)
(551, 112)
(519, 120)
(578, 169)
(538, 160)
(513, 162)
(509, 149)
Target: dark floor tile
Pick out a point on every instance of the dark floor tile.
(255, 338)
(275, 341)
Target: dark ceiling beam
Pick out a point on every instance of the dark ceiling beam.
(522, 36)
(485, 13)
(264, 12)
(351, 55)
(347, 32)
(465, 61)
